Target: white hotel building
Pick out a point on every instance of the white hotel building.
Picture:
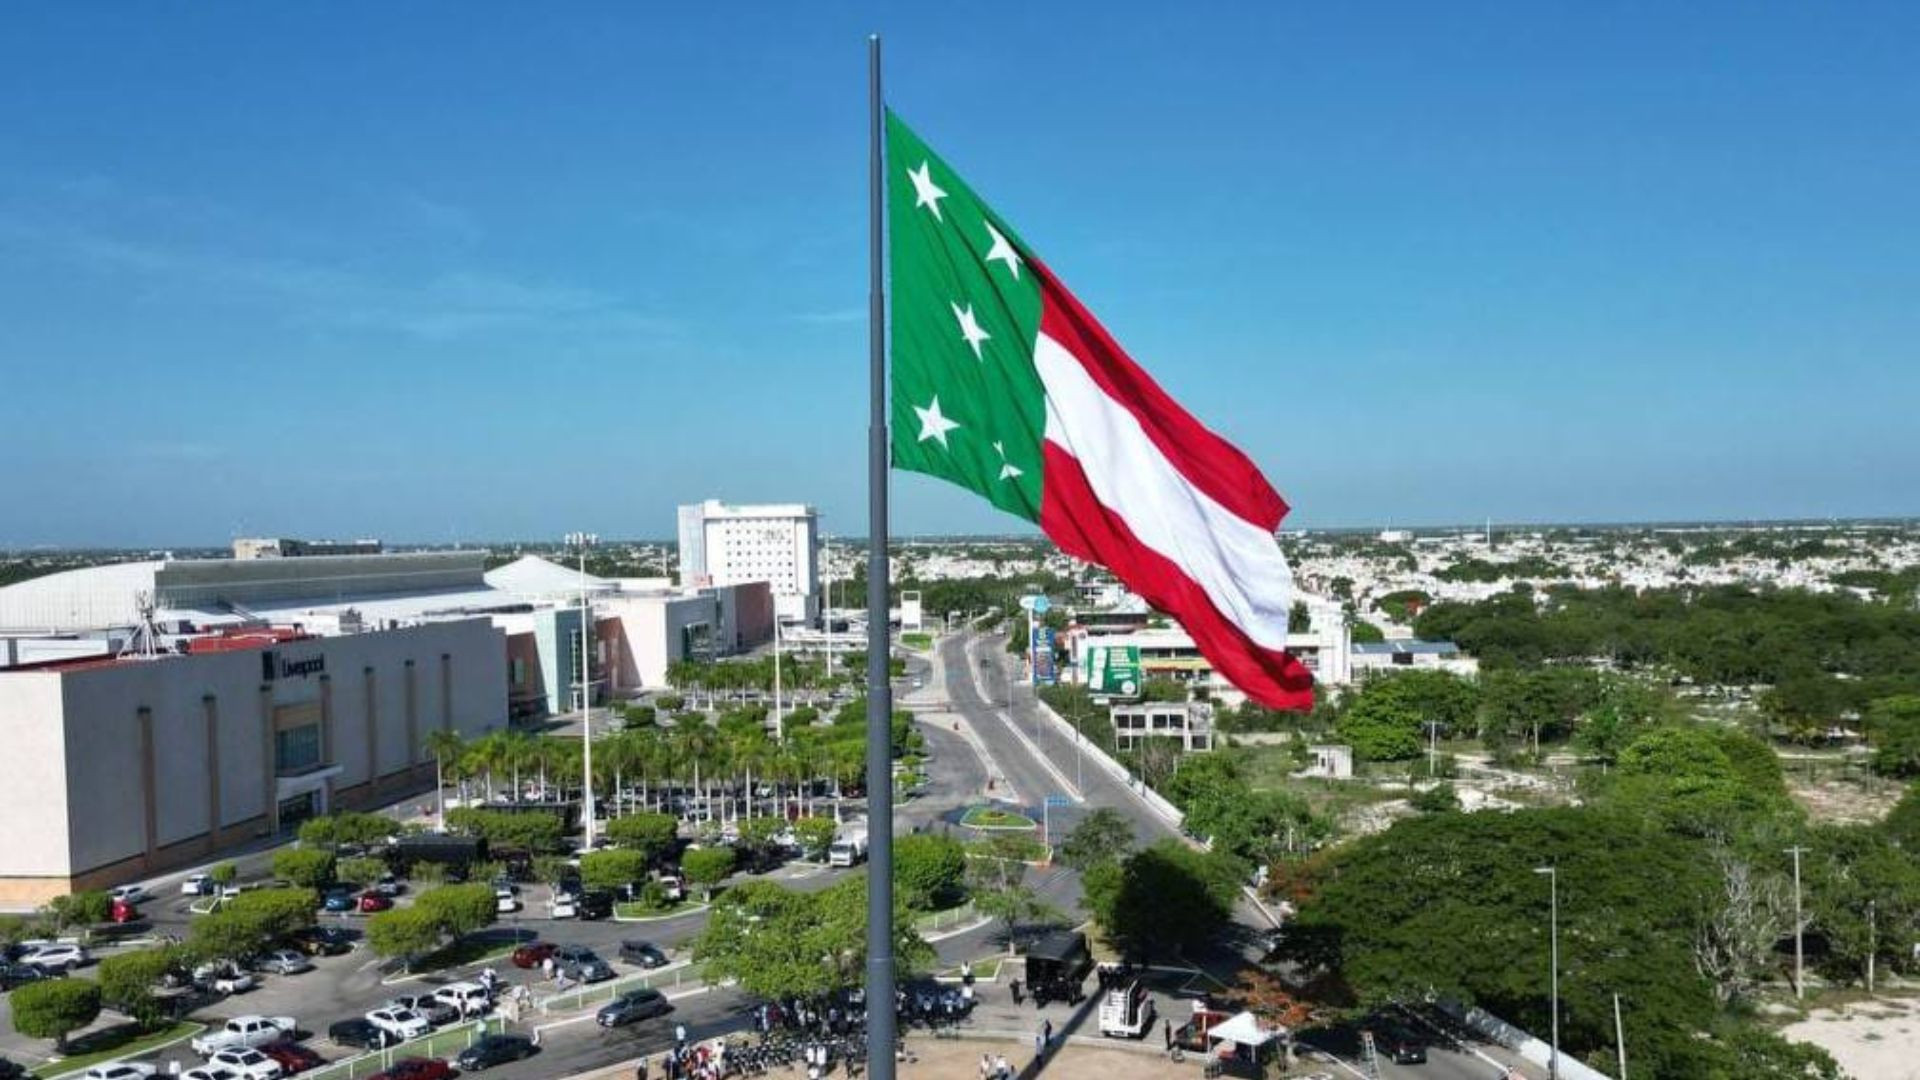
(777, 543)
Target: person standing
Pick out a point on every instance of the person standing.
(1046, 1032)
(1166, 1031)
(640, 1070)
(1039, 1048)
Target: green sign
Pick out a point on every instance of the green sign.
(1114, 670)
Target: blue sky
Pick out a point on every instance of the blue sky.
(434, 271)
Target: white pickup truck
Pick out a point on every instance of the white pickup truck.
(245, 1031)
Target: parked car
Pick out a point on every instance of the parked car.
(338, 901)
(225, 977)
(248, 1063)
(505, 902)
(631, 1007)
(581, 963)
(372, 901)
(286, 962)
(436, 1012)
(12, 1070)
(322, 940)
(209, 1072)
(532, 953)
(358, 1033)
(643, 953)
(12, 975)
(1400, 1045)
(244, 1031)
(55, 958)
(399, 1022)
(595, 904)
(293, 1057)
(121, 1070)
(388, 885)
(465, 998)
(494, 1050)
(563, 906)
(415, 1069)
(197, 885)
(120, 912)
(132, 894)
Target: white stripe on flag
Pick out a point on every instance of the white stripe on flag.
(1237, 562)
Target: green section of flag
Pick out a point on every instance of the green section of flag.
(967, 404)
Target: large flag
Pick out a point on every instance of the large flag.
(1004, 384)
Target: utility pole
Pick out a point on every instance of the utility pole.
(1553, 885)
(1871, 943)
(1433, 748)
(779, 728)
(1799, 951)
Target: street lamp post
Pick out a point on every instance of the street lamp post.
(1553, 887)
(582, 541)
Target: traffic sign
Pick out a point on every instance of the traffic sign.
(1059, 800)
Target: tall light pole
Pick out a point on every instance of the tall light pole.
(1799, 953)
(581, 541)
(1553, 887)
(779, 729)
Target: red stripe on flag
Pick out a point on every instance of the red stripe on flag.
(1211, 463)
(1073, 517)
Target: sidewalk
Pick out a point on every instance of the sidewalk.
(945, 1059)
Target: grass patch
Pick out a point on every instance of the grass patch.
(634, 909)
(987, 967)
(988, 817)
(1024, 848)
(473, 949)
(919, 641)
(944, 919)
(114, 1043)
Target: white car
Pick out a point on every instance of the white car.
(197, 885)
(244, 1031)
(466, 998)
(402, 1024)
(564, 906)
(209, 1072)
(55, 956)
(247, 1062)
(121, 1070)
(224, 978)
(285, 962)
(132, 894)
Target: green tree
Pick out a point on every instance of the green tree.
(52, 1008)
(1448, 905)
(1864, 893)
(815, 835)
(1387, 719)
(309, 867)
(707, 867)
(1170, 897)
(127, 981)
(928, 869)
(403, 932)
(1104, 835)
(1438, 799)
(997, 881)
(361, 869)
(652, 835)
(81, 909)
(1902, 825)
(757, 834)
(779, 943)
(1893, 726)
(612, 869)
(274, 913)
(223, 873)
(459, 910)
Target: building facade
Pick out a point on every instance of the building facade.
(1190, 723)
(128, 767)
(721, 544)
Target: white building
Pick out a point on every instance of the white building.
(1189, 722)
(777, 543)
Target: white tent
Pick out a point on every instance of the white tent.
(1245, 1030)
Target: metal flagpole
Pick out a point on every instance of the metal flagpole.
(880, 993)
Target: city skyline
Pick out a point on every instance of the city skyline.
(400, 275)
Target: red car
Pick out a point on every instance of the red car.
(416, 1069)
(532, 954)
(373, 901)
(292, 1057)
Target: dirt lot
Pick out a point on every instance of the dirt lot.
(1872, 1040)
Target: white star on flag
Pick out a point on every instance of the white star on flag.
(969, 328)
(924, 192)
(1008, 470)
(1003, 251)
(932, 424)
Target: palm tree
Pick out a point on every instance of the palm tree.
(444, 745)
